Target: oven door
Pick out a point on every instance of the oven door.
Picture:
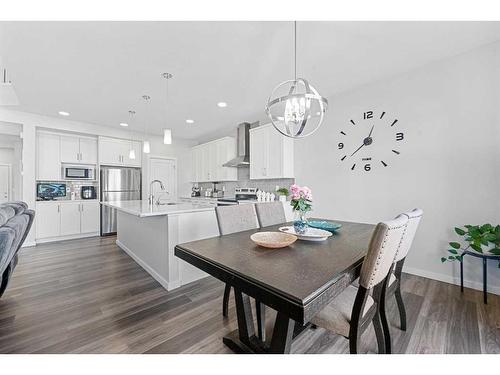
(224, 202)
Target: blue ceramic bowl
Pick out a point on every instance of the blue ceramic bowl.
(325, 225)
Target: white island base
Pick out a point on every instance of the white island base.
(150, 241)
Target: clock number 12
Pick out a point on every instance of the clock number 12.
(368, 115)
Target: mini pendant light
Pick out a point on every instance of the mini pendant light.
(146, 148)
(167, 133)
(131, 153)
(295, 107)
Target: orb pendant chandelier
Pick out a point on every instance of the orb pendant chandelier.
(295, 107)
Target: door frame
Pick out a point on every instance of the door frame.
(158, 157)
(10, 187)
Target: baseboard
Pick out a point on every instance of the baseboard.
(451, 280)
(65, 238)
(29, 244)
(164, 283)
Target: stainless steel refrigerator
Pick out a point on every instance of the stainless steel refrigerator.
(117, 184)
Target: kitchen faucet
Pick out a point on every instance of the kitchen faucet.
(151, 196)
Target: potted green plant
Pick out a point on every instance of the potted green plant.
(484, 239)
(283, 193)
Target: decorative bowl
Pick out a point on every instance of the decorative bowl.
(311, 234)
(273, 240)
(325, 225)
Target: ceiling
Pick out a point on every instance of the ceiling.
(97, 71)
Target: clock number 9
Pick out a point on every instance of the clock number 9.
(341, 146)
(367, 167)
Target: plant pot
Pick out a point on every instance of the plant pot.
(282, 198)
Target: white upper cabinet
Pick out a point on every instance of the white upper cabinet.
(113, 151)
(81, 150)
(271, 154)
(48, 156)
(208, 160)
(88, 150)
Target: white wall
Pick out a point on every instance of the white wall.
(449, 164)
(30, 122)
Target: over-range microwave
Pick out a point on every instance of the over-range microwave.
(78, 172)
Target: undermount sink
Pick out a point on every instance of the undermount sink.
(166, 204)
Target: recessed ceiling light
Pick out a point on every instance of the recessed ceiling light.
(62, 113)
(189, 121)
(123, 124)
(222, 104)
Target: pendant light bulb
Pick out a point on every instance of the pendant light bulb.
(131, 154)
(146, 148)
(167, 136)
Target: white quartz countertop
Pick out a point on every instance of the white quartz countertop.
(143, 209)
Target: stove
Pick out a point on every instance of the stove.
(241, 196)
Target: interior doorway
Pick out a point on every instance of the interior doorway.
(165, 170)
(5, 183)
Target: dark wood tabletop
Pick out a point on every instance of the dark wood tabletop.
(299, 279)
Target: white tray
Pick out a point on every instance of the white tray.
(311, 234)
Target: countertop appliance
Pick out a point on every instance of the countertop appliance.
(195, 191)
(48, 191)
(88, 192)
(78, 172)
(117, 184)
(241, 196)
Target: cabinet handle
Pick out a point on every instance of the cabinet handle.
(58, 208)
(81, 205)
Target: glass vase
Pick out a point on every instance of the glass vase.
(300, 222)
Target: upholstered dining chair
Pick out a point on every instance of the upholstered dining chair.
(270, 213)
(394, 284)
(232, 219)
(352, 311)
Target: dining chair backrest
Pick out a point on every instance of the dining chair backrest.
(270, 213)
(236, 218)
(384, 245)
(414, 217)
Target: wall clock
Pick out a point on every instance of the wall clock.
(370, 141)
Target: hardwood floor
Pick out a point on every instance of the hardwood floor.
(87, 296)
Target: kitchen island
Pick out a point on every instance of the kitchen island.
(149, 234)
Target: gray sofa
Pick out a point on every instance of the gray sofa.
(15, 223)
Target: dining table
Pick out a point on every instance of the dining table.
(297, 281)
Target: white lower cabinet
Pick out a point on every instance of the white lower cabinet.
(48, 220)
(60, 220)
(89, 217)
(70, 218)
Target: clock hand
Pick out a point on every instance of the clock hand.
(357, 149)
(369, 135)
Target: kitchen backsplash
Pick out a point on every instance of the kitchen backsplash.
(244, 181)
(74, 186)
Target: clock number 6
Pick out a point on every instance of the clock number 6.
(367, 167)
(341, 146)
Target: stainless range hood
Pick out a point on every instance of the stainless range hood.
(243, 158)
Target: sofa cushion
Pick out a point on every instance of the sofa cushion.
(19, 207)
(7, 237)
(6, 213)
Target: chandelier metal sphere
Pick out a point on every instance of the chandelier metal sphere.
(295, 108)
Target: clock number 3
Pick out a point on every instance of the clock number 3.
(399, 136)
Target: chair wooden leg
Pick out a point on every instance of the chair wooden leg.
(380, 334)
(225, 301)
(4, 280)
(354, 336)
(401, 307)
